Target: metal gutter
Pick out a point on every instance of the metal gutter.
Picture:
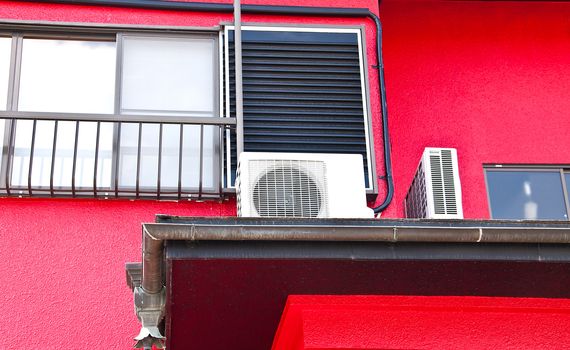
(277, 10)
(349, 233)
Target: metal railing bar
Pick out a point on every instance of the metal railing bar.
(181, 146)
(93, 117)
(31, 162)
(44, 193)
(159, 161)
(201, 166)
(117, 159)
(139, 145)
(221, 132)
(96, 160)
(74, 164)
(55, 127)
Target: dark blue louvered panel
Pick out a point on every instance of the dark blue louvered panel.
(301, 93)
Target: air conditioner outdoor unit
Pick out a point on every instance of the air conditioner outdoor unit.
(435, 192)
(301, 185)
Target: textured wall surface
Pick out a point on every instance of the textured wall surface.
(490, 79)
(396, 322)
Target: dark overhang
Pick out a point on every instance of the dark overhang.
(227, 279)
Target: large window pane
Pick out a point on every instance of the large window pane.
(5, 49)
(67, 76)
(168, 76)
(526, 195)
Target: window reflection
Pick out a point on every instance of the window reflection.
(567, 179)
(526, 195)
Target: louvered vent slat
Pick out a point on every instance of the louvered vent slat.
(301, 93)
(437, 184)
(447, 169)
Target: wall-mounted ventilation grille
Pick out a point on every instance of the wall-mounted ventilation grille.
(435, 191)
(302, 92)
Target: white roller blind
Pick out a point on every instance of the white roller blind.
(173, 75)
(67, 76)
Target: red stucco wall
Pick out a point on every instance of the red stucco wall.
(490, 79)
(399, 322)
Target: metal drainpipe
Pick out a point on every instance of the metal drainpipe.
(238, 77)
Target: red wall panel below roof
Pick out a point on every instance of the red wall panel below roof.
(397, 322)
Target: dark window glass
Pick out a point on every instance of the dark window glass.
(526, 195)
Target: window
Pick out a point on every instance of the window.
(531, 193)
(304, 90)
(110, 114)
(172, 76)
(72, 76)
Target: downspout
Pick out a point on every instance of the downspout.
(238, 78)
(278, 10)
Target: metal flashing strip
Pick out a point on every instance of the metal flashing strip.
(364, 251)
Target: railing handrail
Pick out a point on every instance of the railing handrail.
(116, 118)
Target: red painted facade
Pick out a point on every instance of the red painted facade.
(488, 78)
(396, 322)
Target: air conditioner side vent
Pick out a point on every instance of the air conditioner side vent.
(437, 184)
(448, 182)
(436, 190)
(416, 199)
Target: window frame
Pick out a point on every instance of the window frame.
(360, 31)
(18, 30)
(563, 169)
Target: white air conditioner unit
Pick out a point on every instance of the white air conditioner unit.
(435, 192)
(301, 185)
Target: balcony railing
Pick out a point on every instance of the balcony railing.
(106, 155)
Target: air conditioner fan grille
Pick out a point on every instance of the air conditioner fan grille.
(289, 188)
